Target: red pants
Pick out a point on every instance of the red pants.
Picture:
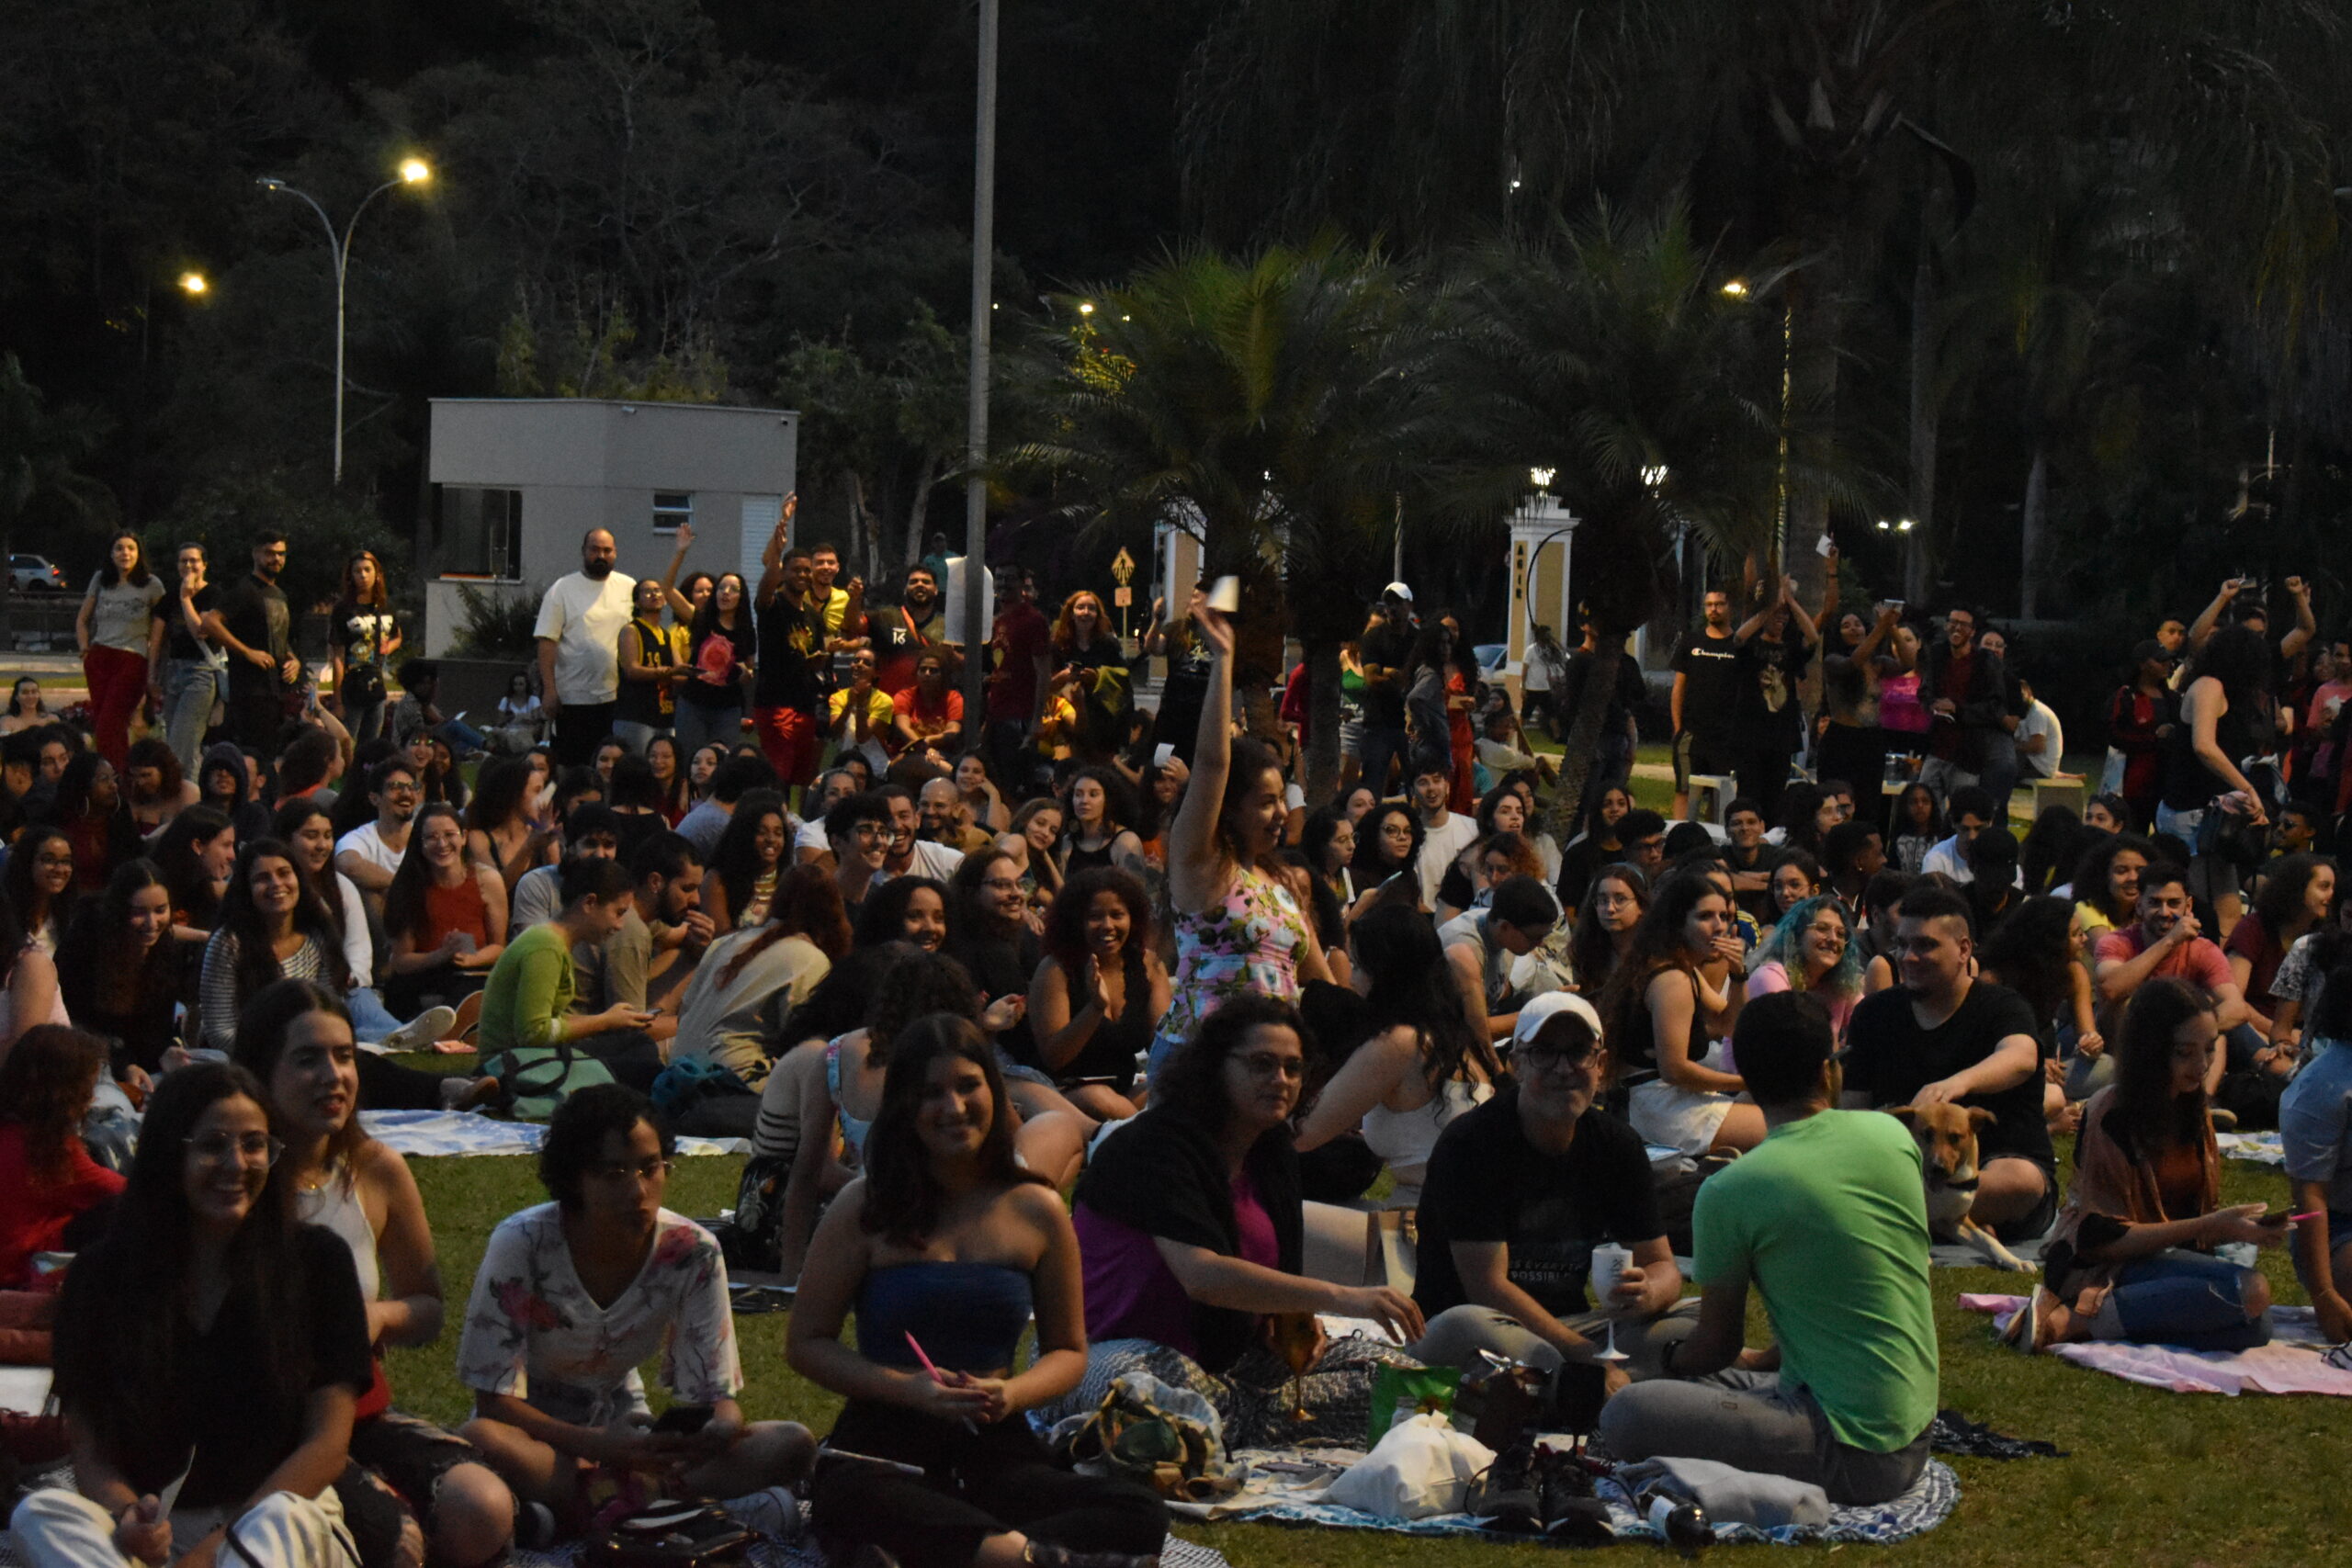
(789, 738)
(118, 683)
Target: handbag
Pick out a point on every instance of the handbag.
(669, 1535)
(1145, 1431)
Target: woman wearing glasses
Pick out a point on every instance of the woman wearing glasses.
(1190, 1225)
(210, 1354)
(573, 1296)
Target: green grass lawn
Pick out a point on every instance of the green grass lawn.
(2152, 1477)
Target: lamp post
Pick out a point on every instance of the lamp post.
(412, 172)
(976, 483)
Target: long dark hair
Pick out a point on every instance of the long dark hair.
(1899, 822)
(2147, 1116)
(147, 751)
(882, 915)
(837, 1003)
(499, 794)
(1251, 761)
(706, 616)
(2237, 658)
(903, 1194)
(1192, 1083)
(2281, 901)
(45, 1086)
(1413, 985)
(2053, 847)
(22, 895)
(1657, 945)
(257, 965)
(2091, 872)
(1369, 868)
(918, 985)
(734, 857)
(114, 1341)
(2031, 950)
(262, 1025)
(137, 575)
(404, 899)
(972, 916)
(96, 946)
(374, 598)
(807, 905)
(1118, 803)
(1592, 952)
(1065, 935)
(183, 871)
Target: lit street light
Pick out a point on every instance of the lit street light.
(412, 172)
(193, 284)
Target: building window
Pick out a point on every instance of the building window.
(670, 508)
(479, 532)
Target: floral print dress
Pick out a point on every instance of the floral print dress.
(532, 1330)
(1248, 943)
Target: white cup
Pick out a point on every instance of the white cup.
(1608, 1264)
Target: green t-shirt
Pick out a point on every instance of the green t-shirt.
(529, 990)
(1827, 1218)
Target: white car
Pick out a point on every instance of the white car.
(34, 574)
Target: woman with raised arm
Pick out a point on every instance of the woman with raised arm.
(1239, 931)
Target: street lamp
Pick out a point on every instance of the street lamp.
(412, 172)
(193, 284)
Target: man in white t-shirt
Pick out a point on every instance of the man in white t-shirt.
(810, 845)
(911, 854)
(579, 632)
(370, 852)
(1445, 834)
(2041, 740)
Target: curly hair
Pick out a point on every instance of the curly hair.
(2284, 880)
(1065, 935)
(1592, 951)
(918, 984)
(882, 915)
(576, 1136)
(46, 1081)
(1784, 945)
(904, 1196)
(1371, 869)
(1193, 1082)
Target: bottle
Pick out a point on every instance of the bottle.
(1680, 1520)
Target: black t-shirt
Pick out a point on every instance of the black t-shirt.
(646, 702)
(1765, 715)
(177, 642)
(699, 693)
(1628, 695)
(1891, 1058)
(898, 635)
(1488, 1182)
(1710, 685)
(1383, 705)
(255, 613)
(216, 1402)
(792, 642)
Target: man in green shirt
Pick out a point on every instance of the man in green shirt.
(525, 1003)
(1827, 1218)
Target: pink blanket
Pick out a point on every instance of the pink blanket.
(2291, 1363)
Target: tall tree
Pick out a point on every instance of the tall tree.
(41, 451)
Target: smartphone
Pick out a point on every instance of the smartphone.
(1162, 753)
(1224, 595)
(1824, 546)
(684, 1419)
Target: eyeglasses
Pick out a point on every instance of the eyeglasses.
(869, 830)
(1536, 1060)
(1266, 1065)
(396, 788)
(245, 1149)
(1000, 883)
(643, 1170)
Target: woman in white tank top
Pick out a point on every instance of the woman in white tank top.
(1421, 1066)
(295, 1036)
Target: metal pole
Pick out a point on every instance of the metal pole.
(975, 484)
(342, 272)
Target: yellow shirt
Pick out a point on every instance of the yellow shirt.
(878, 711)
(836, 606)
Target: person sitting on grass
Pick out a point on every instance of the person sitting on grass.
(2315, 1128)
(1099, 992)
(1520, 1192)
(528, 1029)
(1827, 1219)
(1192, 1229)
(446, 916)
(295, 1040)
(212, 1350)
(573, 1296)
(2133, 1256)
(943, 1248)
(53, 1196)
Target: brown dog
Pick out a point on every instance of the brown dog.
(1947, 1135)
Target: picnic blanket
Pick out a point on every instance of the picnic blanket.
(1287, 1486)
(1959, 1255)
(2295, 1361)
(463, 1133)
(2260, 1148)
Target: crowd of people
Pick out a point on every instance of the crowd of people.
(767, 880)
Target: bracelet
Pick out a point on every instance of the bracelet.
(1666, 1358)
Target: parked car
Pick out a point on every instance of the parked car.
(34, 574)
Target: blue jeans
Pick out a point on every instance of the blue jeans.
(189, 688)
(638, 735)
(696, 726)
(2183, 1298)
(1382, 745)
(370, 1020)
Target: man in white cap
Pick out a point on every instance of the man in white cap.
(1384, 652)
(1520, 1192)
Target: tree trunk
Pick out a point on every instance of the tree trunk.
(1583, 736)
(2037, 501)
(1927, 411)
(919, 511)
(1815, 323)
(1322, 721)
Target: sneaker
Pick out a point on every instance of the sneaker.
(418, 1032)
(1560, 1483)
(774, 1511)
(1506, 1495)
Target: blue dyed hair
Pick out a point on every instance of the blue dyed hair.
(1783, 944)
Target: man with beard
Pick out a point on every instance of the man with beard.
(900, 635)
(579, 632)
(258, 630)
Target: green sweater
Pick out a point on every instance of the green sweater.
(528, 993)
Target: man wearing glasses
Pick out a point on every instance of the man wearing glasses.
(370, 852)
(858, 829)
(1520, 1192)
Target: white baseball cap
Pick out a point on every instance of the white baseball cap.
(1397, 590)
(1542, 1010)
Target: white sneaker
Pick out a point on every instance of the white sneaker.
(773, 1512)
(418, 1032)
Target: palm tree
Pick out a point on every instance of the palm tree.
(1280, 406)
(1607, 351)
(39, 451)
